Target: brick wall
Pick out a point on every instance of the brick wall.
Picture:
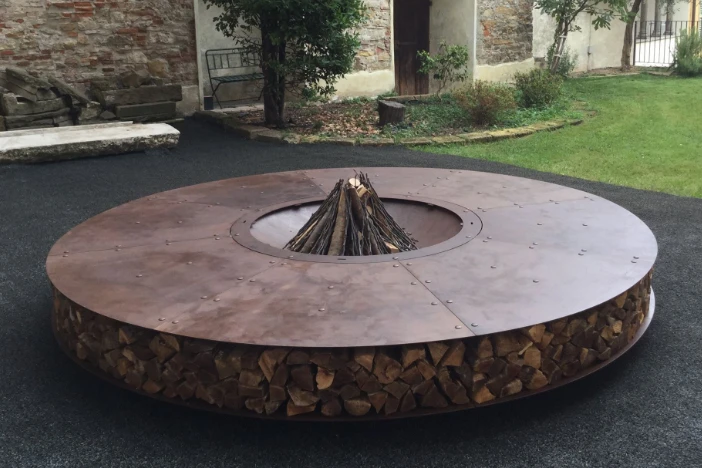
(375, 35)
(82, 40)
(505, 30)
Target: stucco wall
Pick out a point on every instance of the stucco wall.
(600, 48)
(452, 21)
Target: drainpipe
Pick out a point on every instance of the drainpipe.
(643, 18)
(200, 92)
(474, 42)
(657, 19)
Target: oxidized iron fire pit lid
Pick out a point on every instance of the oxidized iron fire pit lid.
(498, 253)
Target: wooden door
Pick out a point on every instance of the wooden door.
(411, 26)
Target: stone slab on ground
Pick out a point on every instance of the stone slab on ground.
(142, 95)
(18, 121)
(29, 92)
(138, 110)
(65, 88)
(10, 105)
(84, 141)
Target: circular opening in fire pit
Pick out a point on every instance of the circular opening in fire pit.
(425, 222)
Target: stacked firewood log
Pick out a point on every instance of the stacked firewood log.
(351, 221)
(351, 381)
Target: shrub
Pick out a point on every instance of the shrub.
(566, 65)
(447, 66)
(687, 60)
(486, 103)
(538, 88)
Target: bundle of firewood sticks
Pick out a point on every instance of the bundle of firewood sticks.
(351, 221)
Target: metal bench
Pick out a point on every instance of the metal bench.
(223, 64)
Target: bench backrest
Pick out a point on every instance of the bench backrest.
(231, 59)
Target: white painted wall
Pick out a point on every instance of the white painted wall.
(600, 48)
(452, 21)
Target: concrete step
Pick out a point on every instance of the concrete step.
(54, 144)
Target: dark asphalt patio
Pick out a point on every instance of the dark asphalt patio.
(644, 410)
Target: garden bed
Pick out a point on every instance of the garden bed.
(426, 116)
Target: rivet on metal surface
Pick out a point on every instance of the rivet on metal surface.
(493, 266)
(395, 258)
(485, 240)
(479, 208)
(175, 321)
(489, 237)
(449, 301)
(531, 246)
(584, 224)
(395, 265)
(413, 283)
(118, 250)
(203, 297)
(161, 319)
(480, 193)
(539, 224)
(633, 261)
(65, 255)
(322, 309)
(461, 224)
(535, 281)
(468, 237)
(240, 278)
(409, 264)
(474, 325)
(218, 203)
(535, 243)
(458, 327)
(137, 222)
(272, 261)
(581, 254)
(236, 235)
(585, 250)
(139, 275)
(331, 287)
(635, 257)
(557, 203)
(434, 303)
(425, 184)
(284, 263)
(180, 222)
(252, 280)
(190, 263)
(216, 238)
(217, 299)
(291, 256)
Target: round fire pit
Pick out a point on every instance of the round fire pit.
(516, 287)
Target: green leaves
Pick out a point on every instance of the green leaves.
(303, 44)
(447, 66)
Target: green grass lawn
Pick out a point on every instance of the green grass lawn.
(647, 134)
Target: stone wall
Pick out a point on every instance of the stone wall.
(376, 38)
(505, 31)
(82, 40)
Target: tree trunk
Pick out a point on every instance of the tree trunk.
(629, 36)
(390, 112)
(273, 83)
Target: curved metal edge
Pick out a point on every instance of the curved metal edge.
(241, 232)
(194, 404)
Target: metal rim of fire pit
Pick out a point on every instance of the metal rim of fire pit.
(173, 263)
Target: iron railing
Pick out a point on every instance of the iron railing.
(655, 41)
